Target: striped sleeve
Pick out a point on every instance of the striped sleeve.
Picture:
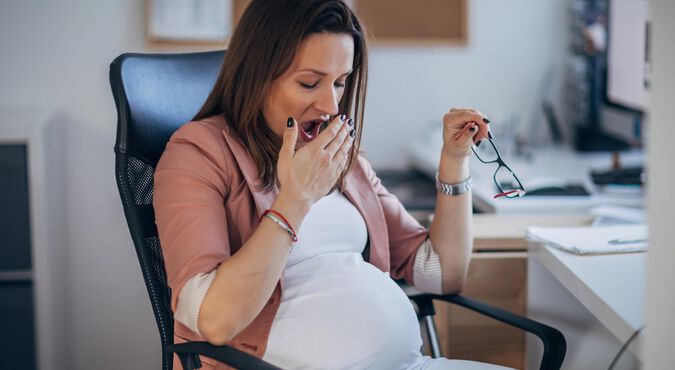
(427, 269)
(190, 299)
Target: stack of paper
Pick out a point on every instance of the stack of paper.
(592, 240)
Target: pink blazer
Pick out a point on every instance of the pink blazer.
(207, 204)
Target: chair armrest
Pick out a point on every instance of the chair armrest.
(228, 355)
(553, 340)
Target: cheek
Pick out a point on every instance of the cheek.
(274, 112)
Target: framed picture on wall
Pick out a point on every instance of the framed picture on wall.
(190, 21)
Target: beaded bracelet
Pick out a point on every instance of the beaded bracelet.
(280, 220)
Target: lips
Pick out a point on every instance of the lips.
(310, 130)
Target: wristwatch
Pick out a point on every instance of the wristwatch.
(453, 189)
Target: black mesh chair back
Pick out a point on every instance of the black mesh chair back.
(154, 95)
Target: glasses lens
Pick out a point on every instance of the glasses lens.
(508, 182)
(486, 151)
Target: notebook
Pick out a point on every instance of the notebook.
(592, 240)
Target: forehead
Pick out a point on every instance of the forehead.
(331, 53)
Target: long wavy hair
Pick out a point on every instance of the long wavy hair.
(261, 49)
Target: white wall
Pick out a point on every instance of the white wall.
(55, 54)
(660, 331)
(504, 70)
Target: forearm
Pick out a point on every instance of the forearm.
(451, 229)
(244, 282)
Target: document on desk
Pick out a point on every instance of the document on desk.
(592, 240)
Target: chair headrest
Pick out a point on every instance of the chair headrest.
(157, 93)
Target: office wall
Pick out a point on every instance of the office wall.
(55, 55)
(515, 54)
(660, 301)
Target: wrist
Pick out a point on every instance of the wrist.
(453, 169)
(293, 208)
(453, 152)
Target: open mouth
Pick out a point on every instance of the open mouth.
(311, 129)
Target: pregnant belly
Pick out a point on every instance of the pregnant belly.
(338, 311)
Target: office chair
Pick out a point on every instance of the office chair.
(154, 95)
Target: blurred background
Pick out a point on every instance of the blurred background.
(515, 59)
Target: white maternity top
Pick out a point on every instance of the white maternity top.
(338, 311)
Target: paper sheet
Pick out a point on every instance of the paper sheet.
(592, 240)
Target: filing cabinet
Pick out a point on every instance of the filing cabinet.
(32, 240)
(17, 341)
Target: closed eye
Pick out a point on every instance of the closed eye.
(311, 86)
(308, 86)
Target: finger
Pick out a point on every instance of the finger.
(345, 146)
(341, 138)
(472, 132)
(290, 138)
(463, 116)
(329, 133)
(482, 132)
(464, 130)
(342, 156)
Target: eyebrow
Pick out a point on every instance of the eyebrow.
(321, 73)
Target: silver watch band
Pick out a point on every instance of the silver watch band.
(453, 189)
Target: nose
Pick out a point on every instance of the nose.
(327, 101)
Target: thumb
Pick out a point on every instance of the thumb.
(289, 139)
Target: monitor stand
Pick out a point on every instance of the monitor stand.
(593, 140)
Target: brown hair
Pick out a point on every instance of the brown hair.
(261, 49)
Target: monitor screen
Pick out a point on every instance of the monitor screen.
(628, 64)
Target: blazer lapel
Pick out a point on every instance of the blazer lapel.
(263, 199)
(360, 192)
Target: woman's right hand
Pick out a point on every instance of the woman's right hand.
(306, 175)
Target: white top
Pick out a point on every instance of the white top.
(336, 310)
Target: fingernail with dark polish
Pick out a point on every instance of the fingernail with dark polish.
(472, 128)
(342, 117)
(486, 120)
(350, 122)
(490, 134)
(478, 143)
(352, 133)
(289, 123)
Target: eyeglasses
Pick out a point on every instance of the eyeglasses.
(507, 182)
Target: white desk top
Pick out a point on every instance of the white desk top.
(611, 286)
(549, 162)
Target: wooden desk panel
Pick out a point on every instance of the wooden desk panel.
(497, 279)
(497, 276)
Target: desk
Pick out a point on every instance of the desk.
(596, 301)
(548, 162)
(498, 276)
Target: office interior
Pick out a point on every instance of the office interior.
(518, 63)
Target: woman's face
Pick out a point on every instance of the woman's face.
(312, 87)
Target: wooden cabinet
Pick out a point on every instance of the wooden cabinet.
(498, 279)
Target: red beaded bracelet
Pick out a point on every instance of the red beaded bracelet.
(281, 221)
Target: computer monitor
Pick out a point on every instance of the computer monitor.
(628, 62)
(626, 80)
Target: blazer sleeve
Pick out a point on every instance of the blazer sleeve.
(191, 185)
(405, 234)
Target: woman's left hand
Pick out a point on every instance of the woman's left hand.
(461, 129)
